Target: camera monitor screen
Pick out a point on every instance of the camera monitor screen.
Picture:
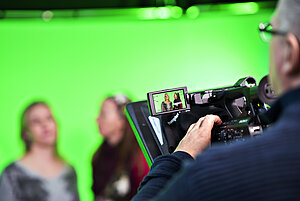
(168, 101)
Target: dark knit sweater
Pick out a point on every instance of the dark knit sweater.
(264, 168)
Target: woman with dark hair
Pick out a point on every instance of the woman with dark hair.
(41, 174)
(118, 164)
(177, 101)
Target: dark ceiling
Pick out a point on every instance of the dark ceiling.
(82, 4)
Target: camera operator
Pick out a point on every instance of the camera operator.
(263, 168)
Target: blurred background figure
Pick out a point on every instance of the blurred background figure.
(177, 102)
(166, 105)
(41, 174)
(118, 164)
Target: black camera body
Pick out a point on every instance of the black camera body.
(236, 130)
(239, 106)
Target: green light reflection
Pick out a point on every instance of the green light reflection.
(243, 8)
(176, 12)
(160, 12)
(193, 12)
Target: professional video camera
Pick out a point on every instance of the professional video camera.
(163, 120)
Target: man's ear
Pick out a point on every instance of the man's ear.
(291, 56)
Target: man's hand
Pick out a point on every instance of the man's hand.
(198, 136)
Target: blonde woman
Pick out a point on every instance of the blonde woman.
(41, 174)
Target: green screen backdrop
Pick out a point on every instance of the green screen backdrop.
(73, 63)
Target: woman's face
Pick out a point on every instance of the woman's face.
(166, 97)
(175, 95)
(110, 123)
(42, 128)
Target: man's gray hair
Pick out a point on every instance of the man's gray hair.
(288, 16)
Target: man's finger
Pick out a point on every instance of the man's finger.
(199, 122)
(191, 127)
(210, 120)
